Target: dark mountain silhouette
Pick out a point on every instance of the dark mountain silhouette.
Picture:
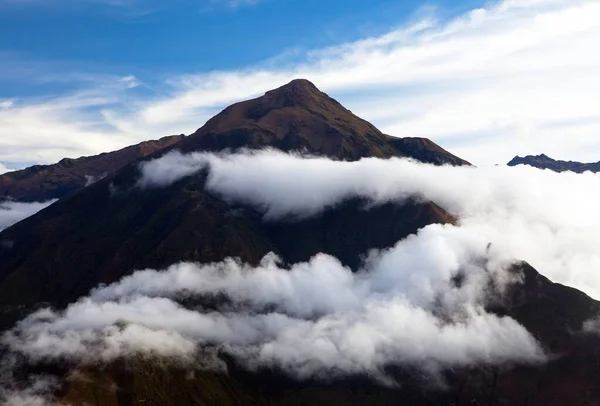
(545, 162)
(110, 229)
(46, 182)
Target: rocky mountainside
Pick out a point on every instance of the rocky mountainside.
(47, 182)
(545, 162)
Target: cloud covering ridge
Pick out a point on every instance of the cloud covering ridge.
(546, 218)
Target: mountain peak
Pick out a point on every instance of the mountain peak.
(299, 117)
(297, 85)
(528, 159)
(295, 100)
(299, 92)
(295, 116)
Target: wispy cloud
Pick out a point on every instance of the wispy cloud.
(516, 77)
(68, 125)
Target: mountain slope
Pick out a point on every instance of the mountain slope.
(112, 228)
(46, 182)
(545, 162)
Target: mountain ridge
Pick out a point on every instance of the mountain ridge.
(55, 181)
(543, 161)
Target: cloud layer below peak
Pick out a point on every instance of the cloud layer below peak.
(546, 218)
(317, 319)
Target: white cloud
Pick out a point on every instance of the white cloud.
(5, 104)
(516, 77)
(4, 169)
(546, 218)
(13, 392)
(130, 81)
(48, 130)
(12, 212)
(317, 319)
(20, 399)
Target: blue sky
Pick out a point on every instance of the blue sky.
(148, 39)
(79, 79)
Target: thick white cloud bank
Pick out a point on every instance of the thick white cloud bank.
(12, 212)
(546, 218)
(317, 319)
(513, 77)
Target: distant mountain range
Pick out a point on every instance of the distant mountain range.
(545, 162)
(97, 234)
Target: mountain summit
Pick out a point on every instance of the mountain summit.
(299, 92)
(298, 116)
